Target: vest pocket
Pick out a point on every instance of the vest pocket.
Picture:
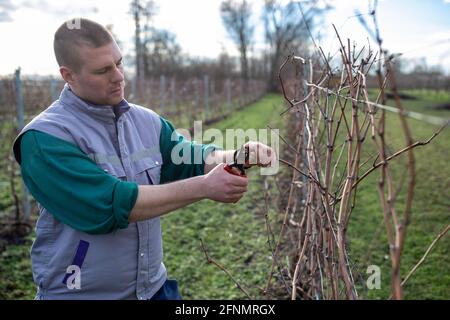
(42, 251)
(148, 170)
(153, 175)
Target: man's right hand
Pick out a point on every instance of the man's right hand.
(223, 186)
(217, 184)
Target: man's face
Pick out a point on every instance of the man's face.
(100, 79)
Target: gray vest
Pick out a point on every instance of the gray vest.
(127, 263)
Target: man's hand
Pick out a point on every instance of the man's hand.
(223, 186)
(218, 185)
(259, 154)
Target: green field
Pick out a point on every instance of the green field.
(430, 213)
(236, 235)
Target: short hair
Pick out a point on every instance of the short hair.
(73, 34)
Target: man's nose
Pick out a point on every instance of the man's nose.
(118, 75)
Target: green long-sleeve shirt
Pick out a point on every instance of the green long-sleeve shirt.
(70, 185)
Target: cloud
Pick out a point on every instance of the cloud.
(5, 17)
(60, 9)
(7, 5)
(6, 8)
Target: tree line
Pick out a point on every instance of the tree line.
(157, 51)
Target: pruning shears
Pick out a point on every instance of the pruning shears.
(240, 158)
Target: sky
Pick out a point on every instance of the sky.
(417, 28)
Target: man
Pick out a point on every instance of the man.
(102, 173)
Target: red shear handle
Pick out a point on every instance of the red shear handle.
(234, 171)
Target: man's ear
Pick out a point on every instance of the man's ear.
(67, 75)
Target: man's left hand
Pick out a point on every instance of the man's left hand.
(259, 155)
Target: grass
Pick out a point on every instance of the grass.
(236, 236)
(430, 213)
(16, 280)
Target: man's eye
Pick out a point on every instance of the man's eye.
(102, 71)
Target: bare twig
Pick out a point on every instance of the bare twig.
(212, 261)
(422, 260)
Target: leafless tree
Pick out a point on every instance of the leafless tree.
(286, 33)
(236, 17)
(161, 52)
(141, 10)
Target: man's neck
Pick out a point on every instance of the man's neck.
(86, 100)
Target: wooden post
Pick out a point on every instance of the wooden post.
(228, 84)
(173, 97)
(54, 89)
(162, 92)
(21, 124)
(206, 87)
